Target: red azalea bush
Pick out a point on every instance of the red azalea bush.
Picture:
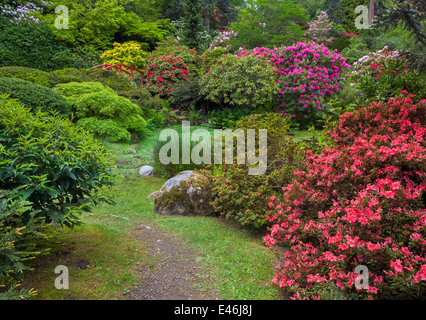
(308, 74)
(162, 73)
(361, 202)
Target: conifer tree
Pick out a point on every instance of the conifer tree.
(192, 24)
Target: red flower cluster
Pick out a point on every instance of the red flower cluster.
(349, 35)
(163, 73)
(361, 202)
(396, 66)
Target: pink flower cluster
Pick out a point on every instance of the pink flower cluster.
(223, 40)
(308, 73)
(358, 203)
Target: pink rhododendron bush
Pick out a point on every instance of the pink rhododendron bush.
(361, 202)
(309, 75)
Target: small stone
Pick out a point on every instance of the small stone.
(146, 170)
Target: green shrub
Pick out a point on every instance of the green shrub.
(35, 96)
(143, 98)
(28, 74)
(386, 79)
(340, 43)
(101, 111)
(171, 169)
(107, 129)
(111, 78)
(32, 45)
(43, 78)
(240, 82)
(61, 168)
(210, 57)
(227, 117)
(17, 245)
(245, 197)
(186, 94)
(129, 53)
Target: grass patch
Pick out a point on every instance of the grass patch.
(102, 263)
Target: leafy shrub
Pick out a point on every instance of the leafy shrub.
(226, 118)
(143, 98)
(309, 74)
(171, 169)
(129, 53)
(244, 197)
(28, 74)
(32, 45)
(85, 57)
(17, 245)
(43, 78)
(61, 168)
(187, 94)
(340, 43)
(99, 23)
(34, 96)
(111, 78)
(211, 57)
(240, 81)
(359, 202)
(389, 77)
(101, 111)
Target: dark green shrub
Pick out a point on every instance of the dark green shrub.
(28, 74)
(171, 169)
(245, 197)
(35, 96)
(111, 78)
(226, 118)
(61, 168)
(340, 43)
(187, 93)
(17, 245)
(143, 98)
(43, 78)
(32, 45)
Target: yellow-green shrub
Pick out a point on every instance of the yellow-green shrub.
(129, 53)
(101, 111)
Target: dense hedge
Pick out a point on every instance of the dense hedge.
(35, 96)
(43, 78)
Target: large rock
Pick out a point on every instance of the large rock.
(185, 194)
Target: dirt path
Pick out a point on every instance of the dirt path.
(174, 271)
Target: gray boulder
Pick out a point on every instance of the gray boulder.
(146, 170)
(187, 193)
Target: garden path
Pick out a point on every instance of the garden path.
(174, 273)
